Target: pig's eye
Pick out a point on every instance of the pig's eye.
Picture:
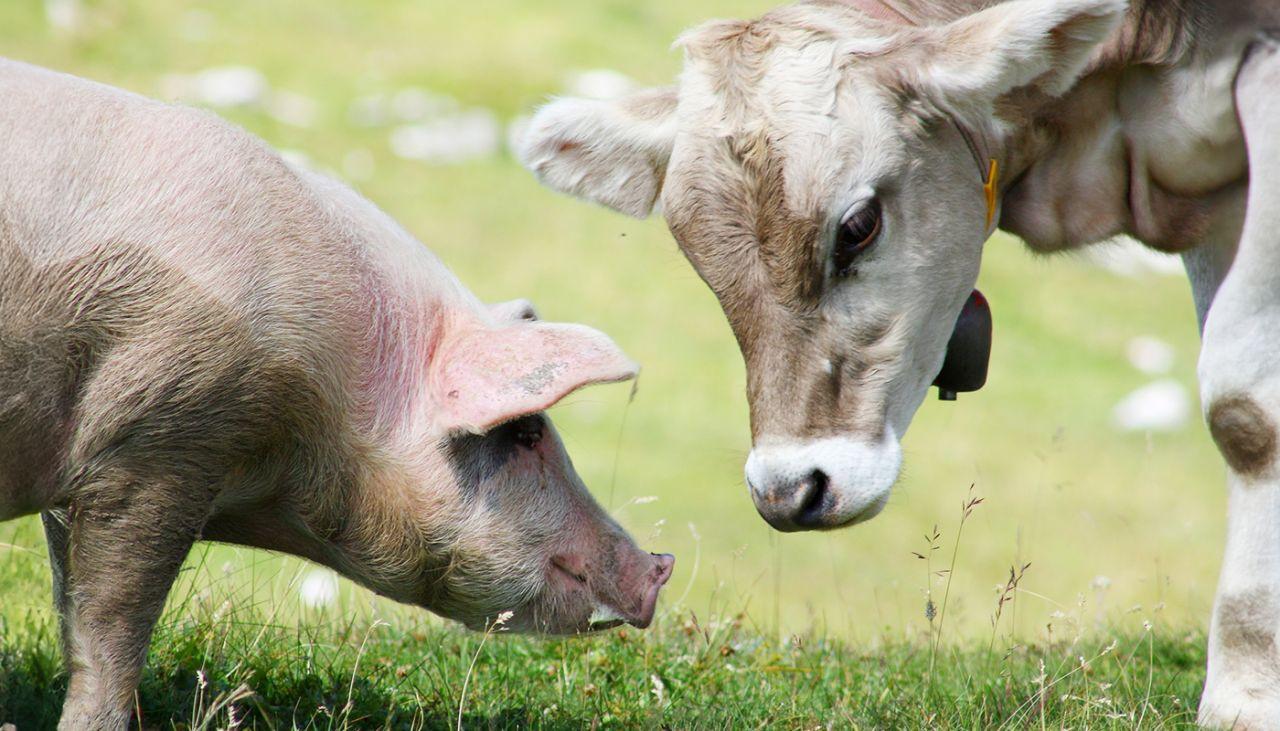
(528, 431)
(858, 231)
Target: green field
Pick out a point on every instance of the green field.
(1118, 528)
(222, 659)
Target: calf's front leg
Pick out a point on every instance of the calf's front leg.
(128, 536)
(1240, 391)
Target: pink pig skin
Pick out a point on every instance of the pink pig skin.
(199, 341)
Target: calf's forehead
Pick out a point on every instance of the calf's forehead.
(763, 172)
(822, 115)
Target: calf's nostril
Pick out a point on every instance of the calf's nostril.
(815, 492)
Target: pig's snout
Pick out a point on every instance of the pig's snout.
(656, 578)
(627, 595)
(639, 595)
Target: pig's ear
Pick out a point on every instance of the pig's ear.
(514, 311)
(482, 377)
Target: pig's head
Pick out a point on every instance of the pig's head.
(510, 525)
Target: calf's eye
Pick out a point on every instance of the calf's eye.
(858, 230)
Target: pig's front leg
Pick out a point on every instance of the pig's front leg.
(57, 535)
(127, 537)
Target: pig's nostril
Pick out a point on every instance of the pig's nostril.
(664, 564)
(815, 488)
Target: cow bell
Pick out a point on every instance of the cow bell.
(964, 368)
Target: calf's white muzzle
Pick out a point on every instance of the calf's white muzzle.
(823, 483)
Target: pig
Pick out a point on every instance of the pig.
(199, 341)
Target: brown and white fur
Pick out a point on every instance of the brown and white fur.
(1154, 118)
(198, 341)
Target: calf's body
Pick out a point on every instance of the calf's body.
(198, 341)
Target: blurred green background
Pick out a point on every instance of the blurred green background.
(1111, 521)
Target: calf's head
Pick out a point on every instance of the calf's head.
(829, 173)
(509, 524)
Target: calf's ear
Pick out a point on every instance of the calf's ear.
(481, 377)
(611, 152)
(1042, 43)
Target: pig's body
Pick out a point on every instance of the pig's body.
(199, 341)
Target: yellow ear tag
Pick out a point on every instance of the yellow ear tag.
(989, 187)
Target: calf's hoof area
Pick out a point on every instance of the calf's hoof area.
(1242, 709)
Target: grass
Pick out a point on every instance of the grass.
(222, 657)
(1126, 521)
(688, 677)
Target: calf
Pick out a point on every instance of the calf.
(198, 341)
(833, 168)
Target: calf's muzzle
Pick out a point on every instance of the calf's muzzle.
(821, 483)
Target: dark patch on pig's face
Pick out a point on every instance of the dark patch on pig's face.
(518, 480)
(478, 459)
